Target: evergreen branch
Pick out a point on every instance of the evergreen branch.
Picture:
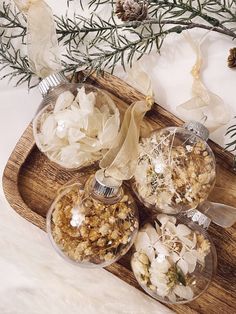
(123, 49)
(72, 30)
(169, 16)
(16, 63)
(13, 20)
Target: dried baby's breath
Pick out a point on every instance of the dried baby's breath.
(100, 234)
(173, 174)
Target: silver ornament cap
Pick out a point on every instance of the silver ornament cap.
(199, 218)
(50, 82)
(197, 128)
(105, 186)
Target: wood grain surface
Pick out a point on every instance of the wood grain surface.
(30, 182)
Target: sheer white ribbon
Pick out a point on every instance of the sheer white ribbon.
(204, 106)
(42, 44)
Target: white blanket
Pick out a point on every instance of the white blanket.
(34, 280)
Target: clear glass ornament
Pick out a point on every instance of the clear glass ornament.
(176, 169)
(76, 123)
(174, 259)
(93, 222)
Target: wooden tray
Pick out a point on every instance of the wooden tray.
(30, 182)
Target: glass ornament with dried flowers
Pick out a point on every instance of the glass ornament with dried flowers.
(174, 259)
(175, 170)
(93, 221)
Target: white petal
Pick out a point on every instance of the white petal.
(190, 258)
(163, 218)
(183, 292)
(191, 268)
(171, 227)
(64, 100)
(74, 135)
(82, 158)
(138, 267)
(172, 219)
(163, 290)
(186, 241)
(86, 101)
(74, 106)
(67, 116)
(48, 129)
(79, 117)
(175, 257)
(183, 265)
(183, 250)
(89, 144)
(172, 297)
(151, 232)
(142, 240)
(61, 130)
(142, 244)
(157, 279)
(160, 257)
(159, 267)
(69, 153)
(149, 251)
(182, 230)
(194, 239)
(54, 146)
(161, 248)
(94, 126)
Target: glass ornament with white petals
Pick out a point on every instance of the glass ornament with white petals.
(174, 259)
(93, 221)
(76, 123)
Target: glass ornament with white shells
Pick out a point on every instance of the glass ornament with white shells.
(93, 221)
(77, 123)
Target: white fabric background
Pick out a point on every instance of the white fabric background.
(33, 278)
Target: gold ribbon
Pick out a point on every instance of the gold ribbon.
(42, 43)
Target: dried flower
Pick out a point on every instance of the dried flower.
(131, 10)
(232, 58)
(166, 257)
(172, 173)
(96, 233)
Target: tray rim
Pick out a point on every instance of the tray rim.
(10, 190)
